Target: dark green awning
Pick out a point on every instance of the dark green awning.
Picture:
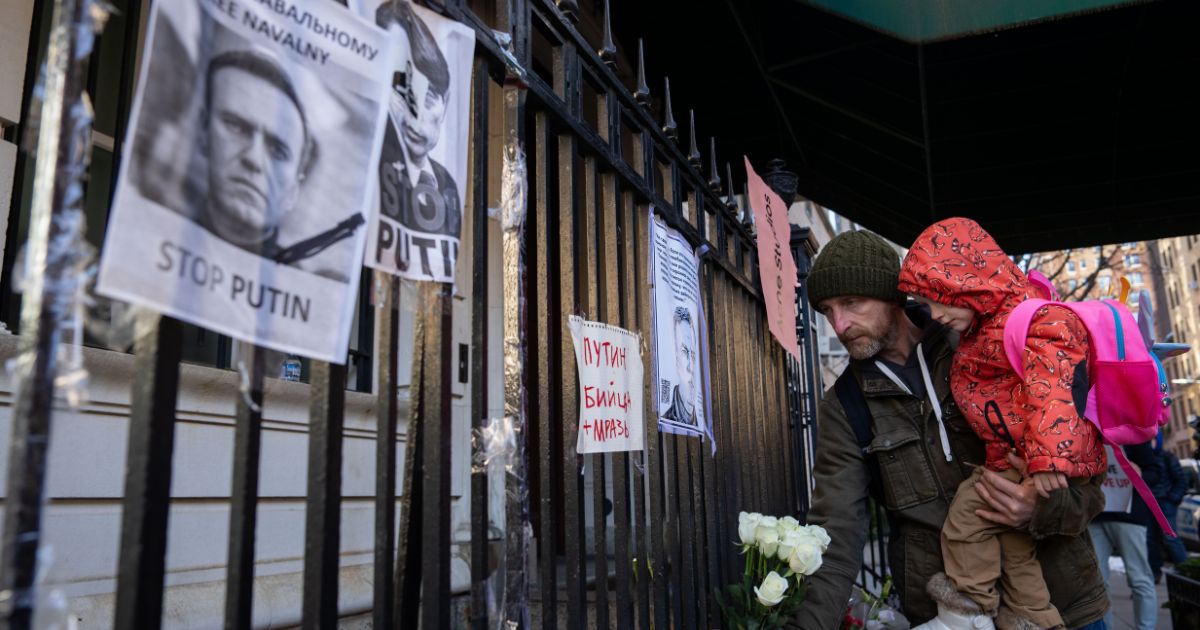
(932, 20)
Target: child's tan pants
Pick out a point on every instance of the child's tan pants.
(978, 553)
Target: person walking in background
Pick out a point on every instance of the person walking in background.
(1121, 530)
(1169, 489)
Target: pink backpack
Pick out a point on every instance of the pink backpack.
(1128, 395)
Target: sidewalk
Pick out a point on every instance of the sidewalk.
(1121, 600)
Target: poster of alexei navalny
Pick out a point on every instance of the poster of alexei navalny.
(248, 170)
(416, 220)
(676, 302)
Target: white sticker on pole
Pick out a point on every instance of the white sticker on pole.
(610, 387)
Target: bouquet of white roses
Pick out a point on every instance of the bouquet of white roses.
(780, 554)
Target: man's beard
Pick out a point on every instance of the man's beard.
(866, 345)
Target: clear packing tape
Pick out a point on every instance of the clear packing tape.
(61, 273)
(508, 437)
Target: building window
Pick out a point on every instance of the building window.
(1132, 260)
(1071, 266)
(1082, 264)
(1071, 284)
(1105, 282)
(1135, 278)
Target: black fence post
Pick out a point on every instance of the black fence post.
(142, 564)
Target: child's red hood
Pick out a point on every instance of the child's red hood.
(957, 262)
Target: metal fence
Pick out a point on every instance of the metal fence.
(600, 160)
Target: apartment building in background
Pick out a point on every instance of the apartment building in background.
(1179, 259)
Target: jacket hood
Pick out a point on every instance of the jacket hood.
(956, 262)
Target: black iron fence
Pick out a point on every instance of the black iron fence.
(600, 160)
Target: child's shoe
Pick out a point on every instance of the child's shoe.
(955, 610)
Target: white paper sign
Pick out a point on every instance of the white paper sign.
(416, 220)
(1118, 488)
(675, 296)
(610, 387)
(246, 177)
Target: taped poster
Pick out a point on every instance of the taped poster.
(416, 222)
(776, 267)
(610, 387)
(675, 298)
(247, 170)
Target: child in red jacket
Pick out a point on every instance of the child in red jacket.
(972, 286)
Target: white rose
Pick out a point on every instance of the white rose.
(765, 524)
(768, 538)
(818, 534)
(788, 542)
(747, 525)
(806, 557)
(787, 524)
(772, 589)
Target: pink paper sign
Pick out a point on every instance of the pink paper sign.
(776, 266)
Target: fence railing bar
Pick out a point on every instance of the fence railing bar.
(686, 530)
(409, 544)
(569, 272)
(714, 480)
(516, 583)
(792, 456)
(590, 272)
(779, 423)
(545, 341)
(435, 435)
(243, 497)
(386, 411)
(715, 543)
(480, 150)
(763, 451)
(144, 519)
(614, 233)
(322, 512)
(652, 461)
(699, 528)
(58, 174)
(672, 571)
(633, 298)
(773, 421)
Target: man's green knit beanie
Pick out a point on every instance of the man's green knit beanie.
(855, 263)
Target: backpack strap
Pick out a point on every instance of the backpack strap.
(1143, 490)
(1016, 329)
(1039, 280)
(850, 394)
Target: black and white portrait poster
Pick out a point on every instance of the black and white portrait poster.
(678, 342)
(416, 221)
(248, 169)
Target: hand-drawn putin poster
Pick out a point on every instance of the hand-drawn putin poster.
(417, 219)
(675, 298)
(248, 168)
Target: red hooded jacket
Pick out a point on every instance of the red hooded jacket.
(956, 262)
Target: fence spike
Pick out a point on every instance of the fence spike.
(714, 177)
(669, 126)
(693, 151)
(569, 8)
(731, 201)
(642, 94)
(608, 51)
